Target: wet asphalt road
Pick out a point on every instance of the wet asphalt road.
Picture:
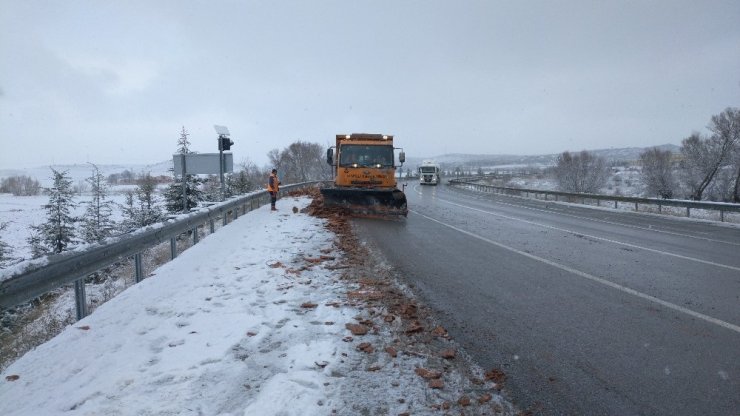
(588, 311)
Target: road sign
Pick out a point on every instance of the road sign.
(203, 163)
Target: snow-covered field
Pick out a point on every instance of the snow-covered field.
(21, 212)
(250, 321)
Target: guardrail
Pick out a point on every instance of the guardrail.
(42, 276)
(721, 207)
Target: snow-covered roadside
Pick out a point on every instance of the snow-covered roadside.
(251, 320)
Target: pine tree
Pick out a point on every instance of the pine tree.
(174, 193)
(130, 216)
(144, 210)
(4, 248)
(212, 188)
(97, 223)
(150, 211)
(58, 231)
(34, 240)
(183, 144)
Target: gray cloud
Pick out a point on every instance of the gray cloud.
(114, 82)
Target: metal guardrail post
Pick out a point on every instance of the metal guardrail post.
(722, 215)
(173, 248)
(80, 299)
(138, 269)
(688, 212)
(225, 219)
(195, 235)
(212, 226)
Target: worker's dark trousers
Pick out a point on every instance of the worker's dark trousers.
(273, 198)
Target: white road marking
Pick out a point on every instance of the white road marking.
(585, 275)
(652, 250)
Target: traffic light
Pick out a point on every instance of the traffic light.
(224, 143)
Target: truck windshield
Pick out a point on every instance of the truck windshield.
(366, 156)
(428, 169)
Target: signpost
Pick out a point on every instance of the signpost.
(206, 163)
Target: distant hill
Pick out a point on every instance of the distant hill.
(631, 153)
(486, 160)
(79, 172)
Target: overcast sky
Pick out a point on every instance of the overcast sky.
(115, 81)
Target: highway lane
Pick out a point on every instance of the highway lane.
(588, 311)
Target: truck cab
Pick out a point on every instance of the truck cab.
(429, 173)
(365, 175)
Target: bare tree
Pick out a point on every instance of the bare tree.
(657, 172)
(248, 178)
(726, 133)
(704, 156)
(581, 172)
(300, 162)
(20, 186)
(127, 177)
(695, 164)
(275, 158)
(736, 163)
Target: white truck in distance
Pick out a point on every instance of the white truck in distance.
(429, 173)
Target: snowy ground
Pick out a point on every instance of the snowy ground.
(21, 212)
(250, 321)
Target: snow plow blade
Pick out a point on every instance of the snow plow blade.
(371, 202)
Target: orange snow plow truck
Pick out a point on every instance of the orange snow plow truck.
(365, 175)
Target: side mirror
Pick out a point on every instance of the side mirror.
(330, 156)
(402, 157)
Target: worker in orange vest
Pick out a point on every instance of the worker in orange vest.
(273, 186)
